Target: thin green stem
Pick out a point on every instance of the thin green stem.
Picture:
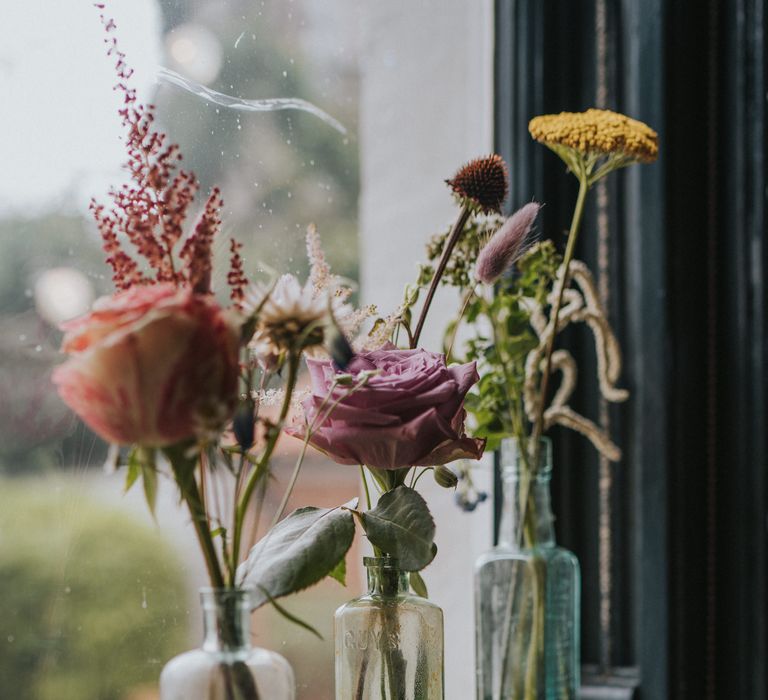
(527, 534)
(365, 487)
(570, 248)
(260, 469)
(468, 296)
(319, 420)
(184, 473)
(450, 244)
(421, 473)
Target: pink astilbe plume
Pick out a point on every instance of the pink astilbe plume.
(506, 245)
(196, 251)
(236, 278)
(152, 210)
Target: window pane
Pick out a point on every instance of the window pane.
(94, 596)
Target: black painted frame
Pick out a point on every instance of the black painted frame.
(687, 267)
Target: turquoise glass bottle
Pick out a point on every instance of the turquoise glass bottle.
(527, 593)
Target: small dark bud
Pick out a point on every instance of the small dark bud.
(243, 424)
(247, 330)
(339, 348)
(445, 477)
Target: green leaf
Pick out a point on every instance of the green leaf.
(298, 552)
(149, 479)
(133, 472)
(418, 585)
(289, 615)
(402, 526)
(219, 532)
(141, 462)
(339, 572)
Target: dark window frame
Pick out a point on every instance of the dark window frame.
(686, 263)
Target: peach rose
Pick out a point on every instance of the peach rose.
(153, 365)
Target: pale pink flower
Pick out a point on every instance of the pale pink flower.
(153, 366)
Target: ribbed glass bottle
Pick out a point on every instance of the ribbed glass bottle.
(527, 592)
(227, 667)
(389, 642)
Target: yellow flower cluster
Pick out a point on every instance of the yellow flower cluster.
(597, 131)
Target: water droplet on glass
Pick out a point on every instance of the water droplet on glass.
(285, 73)
(67, 590)
(289, 196)
(22, 337)
(11, 638)
(311, 162)
(288, 141)
(38, 348)
(144, 597)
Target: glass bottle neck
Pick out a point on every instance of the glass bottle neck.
(385, 579)
(526, 516)
(226, 619)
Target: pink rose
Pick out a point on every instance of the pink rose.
(409, 414)
(153, 365)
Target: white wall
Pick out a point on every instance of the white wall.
(426, 108)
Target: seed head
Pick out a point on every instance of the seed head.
(483, 182)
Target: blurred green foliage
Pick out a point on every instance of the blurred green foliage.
(91, 604)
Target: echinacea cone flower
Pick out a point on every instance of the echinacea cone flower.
(482, 183)
(506, 245)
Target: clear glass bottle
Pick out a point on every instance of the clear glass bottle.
(527, 592)
(227, 667)
(389, 642)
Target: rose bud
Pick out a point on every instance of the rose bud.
(243, 425)
(445, 477)
(338, 346)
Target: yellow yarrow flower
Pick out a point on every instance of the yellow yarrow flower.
(597, 141)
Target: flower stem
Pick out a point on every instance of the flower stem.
(184, 472)
(365, 486)
(450, 244)
(573, 234)
(527, 536)
(258, 471)
(468, 296)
